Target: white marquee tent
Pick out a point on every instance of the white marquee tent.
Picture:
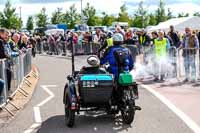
(179, 24)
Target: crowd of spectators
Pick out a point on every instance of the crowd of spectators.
(143, 41)
(12, 44)
(140, 42)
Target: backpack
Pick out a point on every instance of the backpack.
(121, 56)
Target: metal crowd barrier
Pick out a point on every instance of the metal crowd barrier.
(3, 78)
(88, 48)
(27, 59)
(19, 67)
(62, 47)
(179, 63)
(188, 63)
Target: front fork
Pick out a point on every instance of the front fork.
(74, 100)
(129, 96)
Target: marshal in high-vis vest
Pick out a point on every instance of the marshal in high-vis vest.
(161, 48)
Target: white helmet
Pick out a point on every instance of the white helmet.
(93, 61)
(117, 37)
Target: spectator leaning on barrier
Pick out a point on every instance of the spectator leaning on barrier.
(7, 48)
(9, 54)
(2, 42)
(190, 45)
(2, 56)
(161, 46)
(14, 41)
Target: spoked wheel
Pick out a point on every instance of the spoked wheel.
(128, 112)
(69, 114)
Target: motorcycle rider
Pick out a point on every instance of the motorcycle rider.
(111, 57)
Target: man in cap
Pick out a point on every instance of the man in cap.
(190, 46)
(116, 55)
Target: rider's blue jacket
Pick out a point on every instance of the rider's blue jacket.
(109, 58)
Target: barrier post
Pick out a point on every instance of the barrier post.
(5, 90)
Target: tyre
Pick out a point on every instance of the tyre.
(65, 93)
(128, 113)
(69, 114)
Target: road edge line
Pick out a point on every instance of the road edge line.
(186, 119)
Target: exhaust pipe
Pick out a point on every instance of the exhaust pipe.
(138, 108)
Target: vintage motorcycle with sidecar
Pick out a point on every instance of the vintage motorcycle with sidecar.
(94, 89)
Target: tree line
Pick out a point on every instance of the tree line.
(141, 18)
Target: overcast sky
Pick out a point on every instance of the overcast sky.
(32, 7)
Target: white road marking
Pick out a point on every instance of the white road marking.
(35, 125)
(28, 131)
(32, 128)
(51, 95)
(37, 115)
(188, 121)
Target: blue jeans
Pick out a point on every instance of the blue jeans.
(1, 90)
(189, 62)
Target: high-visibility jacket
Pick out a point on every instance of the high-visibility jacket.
(161, 48)
(109, 42)
(142, 39)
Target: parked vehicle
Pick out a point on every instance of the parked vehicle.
(123, 25)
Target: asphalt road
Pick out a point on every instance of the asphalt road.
(155, 117)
